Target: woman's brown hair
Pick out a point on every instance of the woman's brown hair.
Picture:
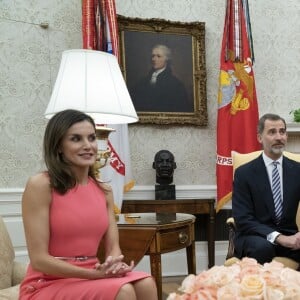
(61, 176)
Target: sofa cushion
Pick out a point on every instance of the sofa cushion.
(19, 271)
(6, 258)
(11, 293)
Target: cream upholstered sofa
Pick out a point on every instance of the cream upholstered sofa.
(11, 271)
(239, 159)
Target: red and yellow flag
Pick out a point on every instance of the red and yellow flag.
(237, 103)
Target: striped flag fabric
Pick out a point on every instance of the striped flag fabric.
(237, 102)
(100, 32)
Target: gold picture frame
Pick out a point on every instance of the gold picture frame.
(186, 42)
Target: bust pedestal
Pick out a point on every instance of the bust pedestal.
(165, 192)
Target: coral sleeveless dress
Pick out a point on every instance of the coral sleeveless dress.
(78, 221)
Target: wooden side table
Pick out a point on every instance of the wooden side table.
(189, 206)
(145, 233)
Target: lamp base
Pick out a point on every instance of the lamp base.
(103, 155)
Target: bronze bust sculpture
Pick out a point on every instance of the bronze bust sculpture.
(164, 164)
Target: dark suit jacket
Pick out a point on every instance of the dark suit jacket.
(252, 200)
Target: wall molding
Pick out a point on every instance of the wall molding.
(293, 128)
(147, 192)
(11, 194)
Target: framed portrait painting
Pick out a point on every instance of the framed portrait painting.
(163, 64)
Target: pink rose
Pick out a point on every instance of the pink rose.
(244, 280)
(252, 285)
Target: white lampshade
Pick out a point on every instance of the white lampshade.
(92, 82)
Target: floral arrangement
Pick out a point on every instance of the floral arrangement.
(246, 279)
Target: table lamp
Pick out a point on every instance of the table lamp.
(91, 81)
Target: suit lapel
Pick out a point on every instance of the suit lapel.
(286, 177)
(264, 185)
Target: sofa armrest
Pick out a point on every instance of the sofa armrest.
(19, 271)
(287, 262)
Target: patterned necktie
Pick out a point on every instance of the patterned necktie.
(276, 192)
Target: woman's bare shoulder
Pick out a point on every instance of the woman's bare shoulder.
(38, 181)
(37, 191)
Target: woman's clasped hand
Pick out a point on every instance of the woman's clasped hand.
(114, 267)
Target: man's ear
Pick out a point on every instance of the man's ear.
(174, 165)
(153, 165)
(259, 139)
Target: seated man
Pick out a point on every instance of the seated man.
(265, 198)
(164, 164)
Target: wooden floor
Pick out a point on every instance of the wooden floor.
(170, 284)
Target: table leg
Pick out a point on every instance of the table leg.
(191, 258)
(155, 264)
(211, 237)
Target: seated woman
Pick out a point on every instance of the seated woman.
(66, 213)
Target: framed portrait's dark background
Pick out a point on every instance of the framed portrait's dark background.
(187, 44)
(138, 63)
